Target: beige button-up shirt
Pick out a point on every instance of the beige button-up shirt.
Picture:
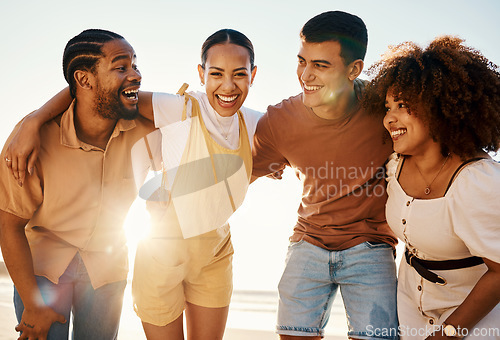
(77, 199)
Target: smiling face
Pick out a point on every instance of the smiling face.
(408, 132)
(117, 81)
(322, 74)
(227, 75)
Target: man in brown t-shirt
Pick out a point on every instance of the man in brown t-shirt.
(61, 230)
(341, 238)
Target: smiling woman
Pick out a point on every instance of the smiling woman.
(442, 109)
(206, 156)
(399, 121)
(225, 70)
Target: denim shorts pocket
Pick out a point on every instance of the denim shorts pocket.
(295, 244)
(376, 245)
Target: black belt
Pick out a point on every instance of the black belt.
(424, 267)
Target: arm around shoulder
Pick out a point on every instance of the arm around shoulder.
(145, 105)
(22, 151)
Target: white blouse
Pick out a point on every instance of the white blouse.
(463, 223)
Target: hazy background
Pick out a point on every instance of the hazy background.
(167, 37)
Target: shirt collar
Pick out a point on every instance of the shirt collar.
(68, 131)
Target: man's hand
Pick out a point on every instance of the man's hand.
(35, 323)
(37, 317)
(22, 151)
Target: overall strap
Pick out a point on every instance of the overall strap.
(195, 111)
(150, 154)
(182, 92)
(163, 193)
(245, 143)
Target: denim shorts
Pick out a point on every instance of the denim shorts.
(96, 312)
(366, 275)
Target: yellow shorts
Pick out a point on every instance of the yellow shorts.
(168, 272)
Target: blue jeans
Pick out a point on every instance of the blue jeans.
(366, 275)
(96, 313)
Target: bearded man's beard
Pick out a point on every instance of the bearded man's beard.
(109, 106)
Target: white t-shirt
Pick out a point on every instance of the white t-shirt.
(168, 108)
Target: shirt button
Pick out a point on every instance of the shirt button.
(407, 203)
(419, 288)
(431, 322)
(403, 221)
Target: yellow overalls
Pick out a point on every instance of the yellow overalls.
(187, 256)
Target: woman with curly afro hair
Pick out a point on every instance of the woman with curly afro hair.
(441, 107)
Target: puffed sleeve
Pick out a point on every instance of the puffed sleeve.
(392, 166)
(475, 209)
(167, 108)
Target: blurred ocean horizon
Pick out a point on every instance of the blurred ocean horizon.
(249, 310)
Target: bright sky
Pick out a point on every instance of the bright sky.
(167, 37)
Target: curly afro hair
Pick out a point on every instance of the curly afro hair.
(453, 88)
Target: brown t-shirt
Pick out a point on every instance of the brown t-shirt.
(341, 166)
(77, 199)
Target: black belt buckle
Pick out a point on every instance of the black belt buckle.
(412, 260)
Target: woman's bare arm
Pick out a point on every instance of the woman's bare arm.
(22, 151)
(145, 105)
(481, 300)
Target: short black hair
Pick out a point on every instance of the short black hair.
(83, 51)
(347, 29)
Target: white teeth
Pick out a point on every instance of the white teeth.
(131, 91)
(311, 87)
(227, 98)
(397, 133)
